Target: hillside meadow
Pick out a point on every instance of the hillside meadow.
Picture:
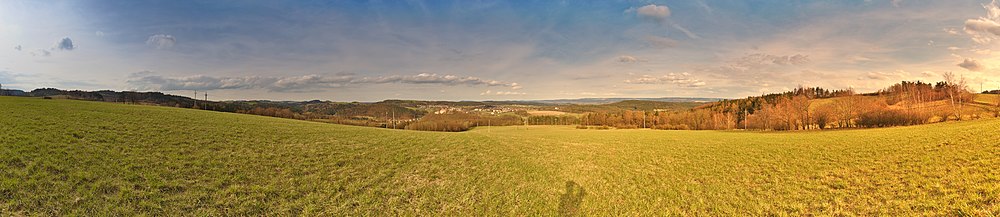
(65, 157)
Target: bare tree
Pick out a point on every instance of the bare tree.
(958, 91)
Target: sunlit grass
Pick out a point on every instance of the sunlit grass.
(87, 158)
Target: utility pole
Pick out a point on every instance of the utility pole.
(206, 95)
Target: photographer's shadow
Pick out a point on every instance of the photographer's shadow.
(571, 199)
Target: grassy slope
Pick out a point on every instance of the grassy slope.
(75, 157)
(989, 99)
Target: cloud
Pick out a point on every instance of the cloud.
(654, 12)
(682, 79)
(686, 32)
(41, 52)
(884, 75)
(895, 3)
(18, 47)
(99, 34)
(659, 14)
(971, 65)
(149, 81)
(65, 44)
(429, 78)
(161, 41)
(589, 94)
(501, 93)
(985, 29)
(628, 59)
(768, 59)
(660, 42)
(951, 31)
(859, 59)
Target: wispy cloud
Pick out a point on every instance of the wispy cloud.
(430, 78)
(149, 81)
(765, 59)
(501, 93)
(682, 79)
(628, 59)
(885, 75)
(41, 52)
(660, 42)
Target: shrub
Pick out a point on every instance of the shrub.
(439, 125)
(888, 118)
(672, 127)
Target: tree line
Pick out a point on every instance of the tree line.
(905, 103)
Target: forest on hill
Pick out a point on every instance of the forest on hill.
(904, 103)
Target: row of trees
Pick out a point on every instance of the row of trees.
(554, 120)
(699, 119)
(461, 121)
(906, 103)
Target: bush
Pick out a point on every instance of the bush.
(889, 118)
(671, 127)
(439, 125)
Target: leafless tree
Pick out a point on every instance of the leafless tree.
(958, 91)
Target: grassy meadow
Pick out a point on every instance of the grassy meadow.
(65, 157)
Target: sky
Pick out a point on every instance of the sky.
(493, 50)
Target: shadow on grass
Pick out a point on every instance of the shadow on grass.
(569, 202)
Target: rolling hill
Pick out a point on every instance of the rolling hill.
(66, 157)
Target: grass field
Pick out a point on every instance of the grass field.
(60, 157)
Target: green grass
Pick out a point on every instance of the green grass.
(64, 157)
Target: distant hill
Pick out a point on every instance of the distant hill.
(615, 100)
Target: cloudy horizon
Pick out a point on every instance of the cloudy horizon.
(493, 50)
